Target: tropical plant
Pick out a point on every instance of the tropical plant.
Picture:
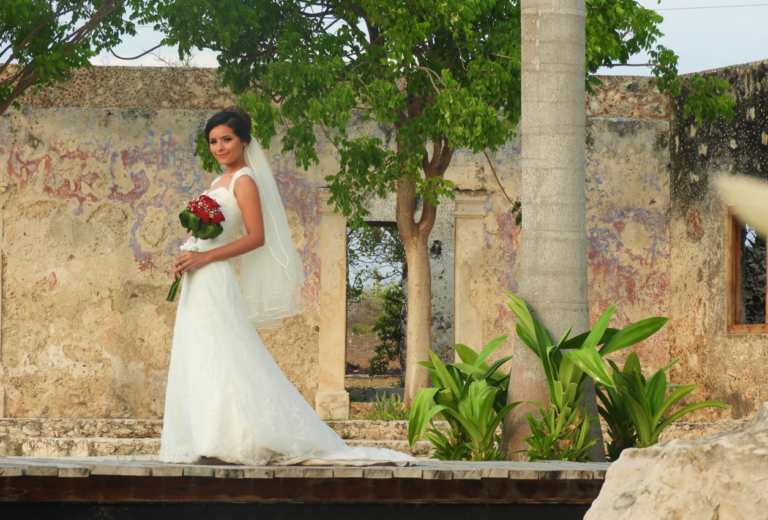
(566, 379)
(559, 436)
(472, 397)
(634, 407)
(388, 408)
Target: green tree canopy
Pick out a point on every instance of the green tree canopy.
(445, 75)
(41, 40)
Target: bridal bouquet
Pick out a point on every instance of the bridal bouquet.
(203, 217)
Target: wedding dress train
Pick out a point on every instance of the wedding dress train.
(226, 397)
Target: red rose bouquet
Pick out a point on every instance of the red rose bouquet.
(203, 218)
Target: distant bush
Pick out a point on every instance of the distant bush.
(390, 408)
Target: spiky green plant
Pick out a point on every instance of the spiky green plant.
(472, 397)
(566, 379)
(635, 407)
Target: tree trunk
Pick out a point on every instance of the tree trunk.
(415, 237)
(419, 331)
(553, 249)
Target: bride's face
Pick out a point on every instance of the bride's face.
(225, 146)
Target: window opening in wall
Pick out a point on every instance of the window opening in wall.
(376, 274)
(748, 265)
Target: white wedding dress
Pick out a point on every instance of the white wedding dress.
(226, 397)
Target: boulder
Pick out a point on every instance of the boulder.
(722, 476)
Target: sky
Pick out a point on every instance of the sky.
(703, 36)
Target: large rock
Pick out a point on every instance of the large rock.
(723, 476)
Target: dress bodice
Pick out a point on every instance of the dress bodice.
(233, 218)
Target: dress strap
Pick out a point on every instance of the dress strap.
(237, 175)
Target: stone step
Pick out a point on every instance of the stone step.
(61, 428)
(129, 447)
(14, 430)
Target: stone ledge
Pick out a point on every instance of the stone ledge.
(191, 88)
(423, 469)
(128, 449)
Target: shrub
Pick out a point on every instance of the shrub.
(633, 406)
(472, 397)
(559, 433)
(388, 408)
(389, 329)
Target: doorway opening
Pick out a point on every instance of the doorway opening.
(376, 279)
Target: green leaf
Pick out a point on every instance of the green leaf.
(597, 332)
(633, 334)
(490, 347)
(446, 381)
(590, 361)
(632, 364)
(688, 409)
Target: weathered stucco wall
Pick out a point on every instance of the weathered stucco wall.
(731, 367)
(96, 187)
(90, 232)
(627, 226)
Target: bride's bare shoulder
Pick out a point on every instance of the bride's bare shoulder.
(244, 182)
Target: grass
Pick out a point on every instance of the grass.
(388, 408)
(359, 329)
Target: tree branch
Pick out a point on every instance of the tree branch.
(137, 56)
(497, 177)
(31, 35)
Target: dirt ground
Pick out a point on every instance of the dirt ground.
(362, 342)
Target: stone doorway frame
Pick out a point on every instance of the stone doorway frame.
(332, 400)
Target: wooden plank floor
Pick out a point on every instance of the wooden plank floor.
(112, 479)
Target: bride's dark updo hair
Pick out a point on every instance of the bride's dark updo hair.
(237, 119)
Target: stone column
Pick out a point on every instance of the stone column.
(332, 401)
(553, 249)
(468, 262)
(3, 187)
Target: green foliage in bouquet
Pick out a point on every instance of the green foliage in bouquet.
(199, 229)
(566, 379)
(472, 397)
(633, 406)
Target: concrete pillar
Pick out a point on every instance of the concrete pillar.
(332, 401)
(468, 262)
(553, 250)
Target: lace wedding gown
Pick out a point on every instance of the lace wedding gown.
(226, 397)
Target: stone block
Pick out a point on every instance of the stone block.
(332, 404)
(721, 476)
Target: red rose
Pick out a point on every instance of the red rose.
(207, 209)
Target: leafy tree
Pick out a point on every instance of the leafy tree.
(373, 254)
(442, 75)
(389, 329)
(376, 254)
(42, 40)
(618, 29)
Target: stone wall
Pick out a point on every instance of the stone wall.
(731, 367)
(97, 168)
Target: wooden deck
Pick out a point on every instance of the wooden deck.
(109, 479)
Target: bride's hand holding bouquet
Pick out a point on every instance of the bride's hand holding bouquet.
(203, 218)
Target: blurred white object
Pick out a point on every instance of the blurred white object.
(748, 198)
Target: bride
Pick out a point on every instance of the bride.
(226, 398)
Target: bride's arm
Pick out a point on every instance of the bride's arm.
(250, 206)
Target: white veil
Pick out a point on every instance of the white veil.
(271, 276)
